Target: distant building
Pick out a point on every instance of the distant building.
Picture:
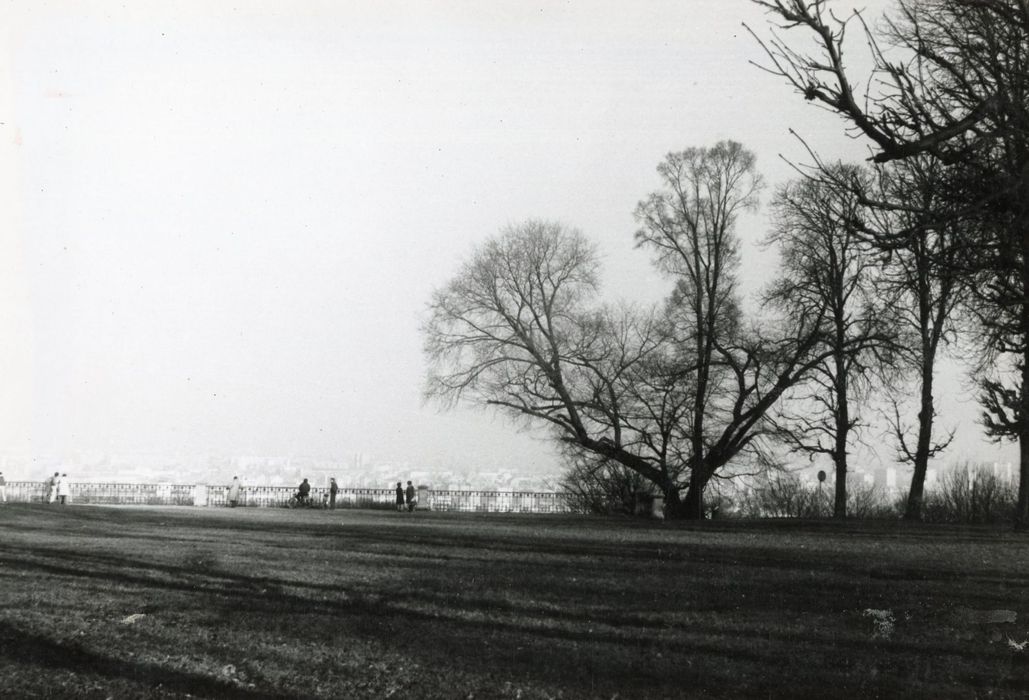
(885, 478)
(1004, 472)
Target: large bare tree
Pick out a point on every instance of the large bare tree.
(519, 329)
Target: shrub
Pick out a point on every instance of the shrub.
(786, 496)
(602, 487)
(869, 502)
(719, 503)
(970, 494)
(782, 496)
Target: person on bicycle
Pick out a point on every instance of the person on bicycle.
(304, 492)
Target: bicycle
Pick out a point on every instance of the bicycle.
(298, 501)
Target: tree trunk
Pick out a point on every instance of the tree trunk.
(673, 503)
(1022, 506)
(913, 511)
(839, 508)
(692, 506)
(839, 456)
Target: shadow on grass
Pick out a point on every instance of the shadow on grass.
(582, 609)
(25, 647)
(545, 567)
(547, 644)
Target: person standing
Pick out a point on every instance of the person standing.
(409, 494)
(63, 488)
(3, 488)
(400, 497)
(333, 490)
(234, 492)
(304, 493)
(51, 488)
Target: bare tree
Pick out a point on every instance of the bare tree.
(517, 329)
(926, 275)
(827, 268)
(690, 225)
(949, 81)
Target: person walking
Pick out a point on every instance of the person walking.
(333, 490)
(400, 497)
(234, 492)
(3, 488)
(409, 494)
(63, 488)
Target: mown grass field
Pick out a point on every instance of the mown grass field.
(168, 602)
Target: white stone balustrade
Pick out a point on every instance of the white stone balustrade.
(216, 495)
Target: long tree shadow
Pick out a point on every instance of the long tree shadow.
(839, 577)
(428, 620)
(19, 645)
(450, 622)
(835, 568)
(558, 536)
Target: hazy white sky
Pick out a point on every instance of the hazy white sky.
(220, 222)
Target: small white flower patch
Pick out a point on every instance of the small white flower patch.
(882, 621)
(1017, 646)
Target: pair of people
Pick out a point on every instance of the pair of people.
(406, 497)
(58, 488)
(329, 499)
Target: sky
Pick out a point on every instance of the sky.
(221, 222)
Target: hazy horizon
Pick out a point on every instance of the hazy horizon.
(220, 225)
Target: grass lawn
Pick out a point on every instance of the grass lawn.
(164, 602)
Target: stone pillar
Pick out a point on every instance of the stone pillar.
(657, 508)
(423, 498)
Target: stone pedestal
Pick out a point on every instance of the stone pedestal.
(657, 508)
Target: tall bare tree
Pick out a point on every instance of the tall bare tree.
(949, 81)
(690, 226)
(827, 267)
(926, 274)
